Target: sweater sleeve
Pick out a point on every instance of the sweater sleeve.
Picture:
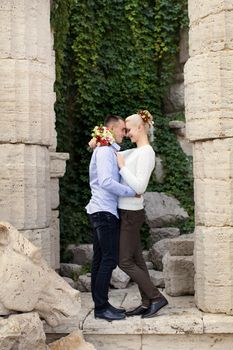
(145, 164)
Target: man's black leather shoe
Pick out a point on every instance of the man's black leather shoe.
(155, 307)
(109, 315)
(140, 310)
(115, 309)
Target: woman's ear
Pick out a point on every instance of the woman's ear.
(140, 127)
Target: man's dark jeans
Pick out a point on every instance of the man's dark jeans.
(105, 246)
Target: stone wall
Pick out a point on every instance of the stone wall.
(209, 113)
(174, 98)
(30, 166)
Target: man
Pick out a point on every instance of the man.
(102, 210)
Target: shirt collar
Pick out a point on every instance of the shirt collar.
(116, 146)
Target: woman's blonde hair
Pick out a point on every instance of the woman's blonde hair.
(143, 117)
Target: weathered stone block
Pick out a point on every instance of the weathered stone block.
(21, 34)
(53, 132)
(216, 33)
(55, 239)
(178, 274)
(156, 234)
(199, 9)
(145, 254)
(159, 170)
(162, 210)
(157, 252)
(48, 240)
(149, 265)
(189, 341)
(174, 99)
(217, 323)
(82, 254)
(184, 46)
(54, 193)
(170, 320)
(157, 278)
(213, 257)
(179, 128)
(116, 341)
(29, 284)
(70, 281)
(213, 202)
(24, 185)
(41, 238)
(213, 173)
(26, 102)
(22, 332)
(175, 321)
(181, 246)
(73, 341)
(212, 159)
(58, 164)
(84, 283)
(208, 110)
(70, 270)
(119, 279)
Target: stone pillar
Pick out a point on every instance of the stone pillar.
(27, 132)
(209, 113)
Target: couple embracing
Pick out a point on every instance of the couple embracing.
(118, 181)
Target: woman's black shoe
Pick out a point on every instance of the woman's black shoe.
(155, 307)
(140, 310)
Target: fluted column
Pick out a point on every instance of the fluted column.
(209, 113)
(27, 119)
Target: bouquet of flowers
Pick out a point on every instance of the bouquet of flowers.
(103, 136)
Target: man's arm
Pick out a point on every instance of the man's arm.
(105, 163)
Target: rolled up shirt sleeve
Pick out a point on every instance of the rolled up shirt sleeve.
(105, 167)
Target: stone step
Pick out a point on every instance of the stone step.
(179, 325)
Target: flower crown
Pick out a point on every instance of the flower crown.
(146, 117)
(103, 136)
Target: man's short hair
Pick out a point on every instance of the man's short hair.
(112, 119)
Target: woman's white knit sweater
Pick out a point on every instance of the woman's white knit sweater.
(139, 163)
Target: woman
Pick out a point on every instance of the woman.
(136, 166)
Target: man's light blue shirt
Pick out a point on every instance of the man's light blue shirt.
(105, 181)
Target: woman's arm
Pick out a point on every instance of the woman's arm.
(145, 165)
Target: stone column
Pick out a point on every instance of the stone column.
(27, 132)
(209, 113)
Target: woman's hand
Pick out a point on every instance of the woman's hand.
(120, 160)
(92, 143)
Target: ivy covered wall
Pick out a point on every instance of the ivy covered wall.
(114, 57)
